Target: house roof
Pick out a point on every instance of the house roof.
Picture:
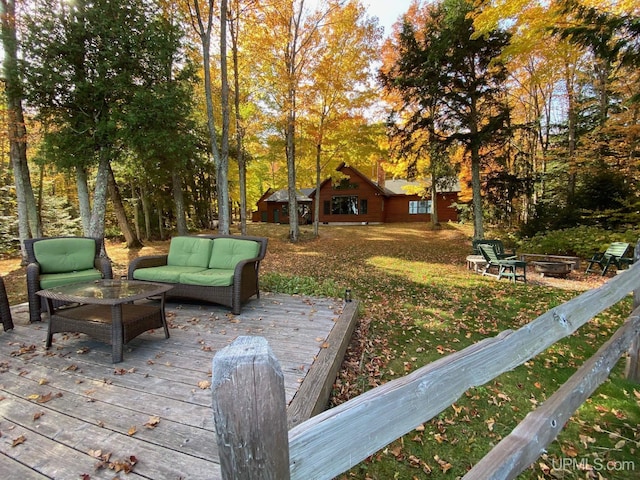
(398, 186)
(302, 195)
(391, 187)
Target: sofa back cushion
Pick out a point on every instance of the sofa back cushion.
(62, 255)
(227, 252)
(189, 252)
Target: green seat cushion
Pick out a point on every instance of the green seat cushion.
(209, 278)
(59, 255)
(227, 252)
(164, 273)
(50, 280)
(189, 252)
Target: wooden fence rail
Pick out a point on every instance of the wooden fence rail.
(335, 440)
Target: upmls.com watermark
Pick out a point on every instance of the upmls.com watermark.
(594, 464)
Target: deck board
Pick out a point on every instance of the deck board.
(94, 405)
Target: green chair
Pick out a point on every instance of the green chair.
(56, 261)
(612, 256)
(508, 268)
(499, 246)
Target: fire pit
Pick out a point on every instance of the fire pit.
(553, 269)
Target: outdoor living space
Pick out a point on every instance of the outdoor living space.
(69, 412)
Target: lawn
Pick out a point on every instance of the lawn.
(419, 303)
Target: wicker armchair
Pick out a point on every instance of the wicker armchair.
(61, 269)
(5, 311)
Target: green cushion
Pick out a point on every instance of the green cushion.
(59, 255)
(165, 273)
(50, 280)
(189, 252)
(208, 278)
(227, 252)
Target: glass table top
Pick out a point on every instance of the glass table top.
(105, 291)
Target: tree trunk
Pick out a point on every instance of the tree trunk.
(121, 215)
(29, 224)
(178, 198)
(96, 226)
(476, 186)
(294, 228)
(136, 210)
(435, 222)
(146, 211)
(242, 164)
(222, 167)
(316, 208)
(84, 203)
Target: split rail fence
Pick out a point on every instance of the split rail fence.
(251, 420)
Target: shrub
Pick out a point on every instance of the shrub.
(580, 241)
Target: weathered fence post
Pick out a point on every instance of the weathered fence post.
(249, 410)
(632, 371)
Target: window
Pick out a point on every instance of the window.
(363, 206)
(344, 205)
(420, 206)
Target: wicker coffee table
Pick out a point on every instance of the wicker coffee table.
(105, 310)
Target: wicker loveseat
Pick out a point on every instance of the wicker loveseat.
(221, 269)
(56, 261)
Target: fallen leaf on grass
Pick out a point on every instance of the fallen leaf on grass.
(444, 465)
(490, 423)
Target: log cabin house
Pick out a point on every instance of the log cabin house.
(357, 199)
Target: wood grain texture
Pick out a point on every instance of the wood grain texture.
(94, 405)
(249, 411)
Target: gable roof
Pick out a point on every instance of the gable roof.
(394, 187)
(397, 186)
(366, 179)
(302, 195)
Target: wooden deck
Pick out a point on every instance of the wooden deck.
(70, 413)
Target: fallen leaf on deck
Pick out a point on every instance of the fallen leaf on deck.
(152, 422)
(18, 441)
(48, 396)
(132, 431)
(37, 415)
(204, 384)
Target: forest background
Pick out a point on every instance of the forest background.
(182, 113)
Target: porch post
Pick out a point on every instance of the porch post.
(632, 371)
(250, 412)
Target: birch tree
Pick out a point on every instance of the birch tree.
(202, 15)
(29, 225)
